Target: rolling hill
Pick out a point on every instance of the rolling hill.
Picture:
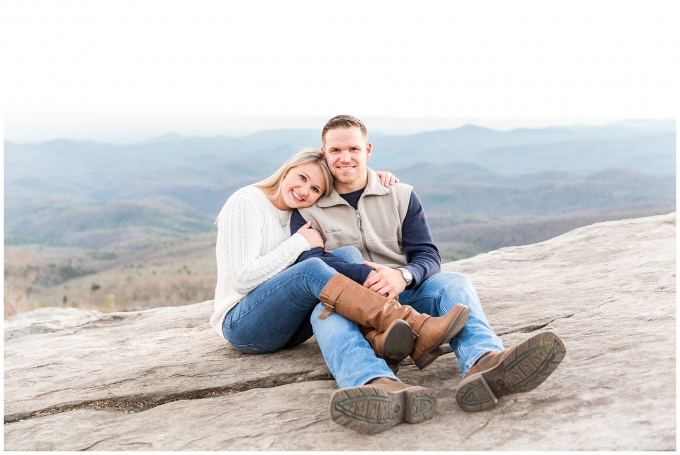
(85, 221)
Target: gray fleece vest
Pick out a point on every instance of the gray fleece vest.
(374, 228)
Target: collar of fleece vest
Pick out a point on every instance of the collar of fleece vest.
(374, 188)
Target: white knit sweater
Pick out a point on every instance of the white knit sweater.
(253, 245)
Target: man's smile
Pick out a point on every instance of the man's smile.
(347, 151)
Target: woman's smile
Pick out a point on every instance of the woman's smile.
(301, 187)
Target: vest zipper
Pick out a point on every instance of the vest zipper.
(363, 235)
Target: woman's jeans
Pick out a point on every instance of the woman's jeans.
(276, 315)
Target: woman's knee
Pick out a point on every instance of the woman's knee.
(310, 263)
(349, 254)
(312, 267)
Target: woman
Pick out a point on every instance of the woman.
(254, 245)
(262, 304)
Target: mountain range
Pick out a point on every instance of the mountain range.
(94, 195)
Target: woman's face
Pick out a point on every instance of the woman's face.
(301, 187)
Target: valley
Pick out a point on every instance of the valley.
(130, 227)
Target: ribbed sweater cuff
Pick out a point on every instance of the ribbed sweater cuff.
(300, 242)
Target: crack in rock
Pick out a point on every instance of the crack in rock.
(499, 409)
(94, 444)
(533, 327)
(140, 403)
(187, 444)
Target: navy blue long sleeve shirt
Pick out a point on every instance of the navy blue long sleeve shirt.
(421, 252)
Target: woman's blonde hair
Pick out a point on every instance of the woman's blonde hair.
(272, 184)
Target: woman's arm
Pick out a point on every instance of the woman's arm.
(241, 233)
(356, 272)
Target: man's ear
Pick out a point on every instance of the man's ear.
(323, 150)
(368, 150)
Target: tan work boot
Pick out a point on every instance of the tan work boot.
(372, 310)
(393, 345)
(381, 404)
(520, 368)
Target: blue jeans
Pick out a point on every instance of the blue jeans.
(436, 296)
(276, 315)
(349, 357)
(441, 292)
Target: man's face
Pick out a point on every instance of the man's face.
(347, 151)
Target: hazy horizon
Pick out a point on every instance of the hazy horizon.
(133, 128)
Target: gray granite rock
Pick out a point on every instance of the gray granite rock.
(140, 359)
(45, 320)
(162, 379)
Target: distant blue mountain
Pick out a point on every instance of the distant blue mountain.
(523, 172)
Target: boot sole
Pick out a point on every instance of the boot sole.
(454, 328)
(371, 410)
(522, 370)
(398, 344)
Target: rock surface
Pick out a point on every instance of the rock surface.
(162, 379)
(45, 320)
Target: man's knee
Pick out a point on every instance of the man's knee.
(349, 254)
(457, 278)
(450, 280)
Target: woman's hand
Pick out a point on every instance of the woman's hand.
(387, 178)
(313, 237)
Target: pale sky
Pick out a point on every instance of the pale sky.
(211, 67)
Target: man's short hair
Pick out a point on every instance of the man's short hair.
(343, 121)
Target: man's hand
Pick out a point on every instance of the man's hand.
(313, 237)
(384, 280)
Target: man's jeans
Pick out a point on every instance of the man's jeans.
(436, 296)
(276, 315)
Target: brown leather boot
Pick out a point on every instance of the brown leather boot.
(431, 332)
(381, 404)
(393, 345)
(520, 368)
(369, 309)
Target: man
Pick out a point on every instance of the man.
(399, 260)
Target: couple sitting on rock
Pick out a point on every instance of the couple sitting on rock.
(362, 274)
